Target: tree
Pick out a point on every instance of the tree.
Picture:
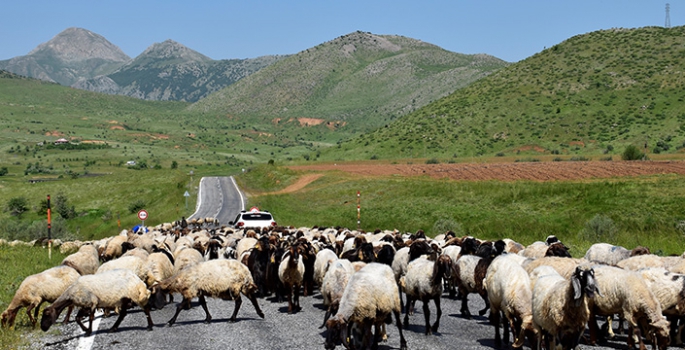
(174, 165)
(3, 171)
(62, 207)
(17, 206)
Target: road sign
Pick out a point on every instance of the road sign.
(186, 194)
(142, 214)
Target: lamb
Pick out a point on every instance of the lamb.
(423, 281)
(510, 294)
(225, 279)
(112, 289)
(626, 293)
(333, 285)
(291, 274)
(36, 289)
(560, 306)
(369, 299)
(85, 261)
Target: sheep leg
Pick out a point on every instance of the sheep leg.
(122, 314)
(32, 318)
(495, 321)
(81, 312)
(146, 310)
(66, 317)
(407, 311)
(438, 314)
(426, 317)
(253, 300)
(485, 309)
(290, 299)
(91, 316)
(403, 342)
(296, 291)
(203, 303)
(465, 306)
(238, 302)
(179, 307)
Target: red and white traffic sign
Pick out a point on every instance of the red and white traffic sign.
(142, 214)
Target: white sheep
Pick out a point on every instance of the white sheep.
(371, 297)
(36, 289)
(184, 257)
(560, 306)
(669, 289)
(465, 280)
(222, 278)
(510, 293)
(609, 254)
(113, 248)
(291, 274)
(424, 281)
(324, 259)
(85, 261)
(112, 289)
(333, 285)
(564, 266)
(626, 293)
(637, 262)
(131, 262)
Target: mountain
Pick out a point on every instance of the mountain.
(73, 54)
(165, 71)
(170, 71)
(358, 81)
(594, 93)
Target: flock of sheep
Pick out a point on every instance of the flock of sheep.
(367, 279)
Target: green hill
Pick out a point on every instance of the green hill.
(356, 82)
(590, 94)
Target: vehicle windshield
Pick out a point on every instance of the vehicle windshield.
(256, 216)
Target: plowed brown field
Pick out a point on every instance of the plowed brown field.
(533, 171)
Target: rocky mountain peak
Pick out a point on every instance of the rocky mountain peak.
(170, 49)
(77, 44)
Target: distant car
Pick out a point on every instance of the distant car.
(254, 218)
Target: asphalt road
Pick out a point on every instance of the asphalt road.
(278, 330)
(220, 198)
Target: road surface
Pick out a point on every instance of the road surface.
(219, 197)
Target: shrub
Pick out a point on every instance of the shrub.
(63, 208)
(136, 206)
(432, 161)
(3, 171)
(600, 228)
(632, 153)
(17, 206)
(443, 225)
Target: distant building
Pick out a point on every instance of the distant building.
(61, 141)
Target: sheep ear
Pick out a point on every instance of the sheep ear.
(577, 289)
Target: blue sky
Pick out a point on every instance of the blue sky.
(510, 30)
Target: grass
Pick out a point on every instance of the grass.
(18, 263)
(646, 210)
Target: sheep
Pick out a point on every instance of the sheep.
(157, 267)
(626, 293)
(637, 262)
(334, 282)
(564, 266)
(85, 261)
(369, 299)
(36, 289)
(112, 289)
(131, 262)
(308, 255)
(510, 294)
(669, 289)
(560, 306)
(225, 279)
(244, 245)
(608, 254)
(257, 263)
(113, 248)
(423, 281)
(291, 274)
(324, 259)
(184, 257)
(542, 249)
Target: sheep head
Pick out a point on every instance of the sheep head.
(337, 332)
(661, 333)
(8, 317)
(50, 315)
(584, 284)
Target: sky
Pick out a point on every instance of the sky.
(511, 30)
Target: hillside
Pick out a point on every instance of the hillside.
(358, 82)
(591, 94)
(169, 71)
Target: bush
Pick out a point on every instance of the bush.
(63, 208)
(3, 171)
(443, 225)
(599, 229)
(136, 206)
(432, 161)
(28, 231)
(17, 206)
(632, 153)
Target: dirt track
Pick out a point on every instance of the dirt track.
(534, 171)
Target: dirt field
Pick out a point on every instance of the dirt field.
(534, 171)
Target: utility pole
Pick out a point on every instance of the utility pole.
(667, 24)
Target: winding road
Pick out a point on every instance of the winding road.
(220, 198)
